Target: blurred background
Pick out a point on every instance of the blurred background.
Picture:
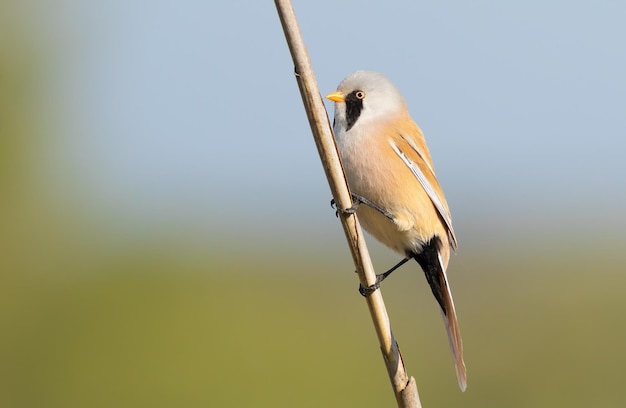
(166, 237)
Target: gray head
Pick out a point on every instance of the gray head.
(365, 96)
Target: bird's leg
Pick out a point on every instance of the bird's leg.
(368, 290)
(358, 200)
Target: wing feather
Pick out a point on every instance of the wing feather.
(442, 208)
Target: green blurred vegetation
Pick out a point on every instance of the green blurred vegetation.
(88, 323)
(144, 329)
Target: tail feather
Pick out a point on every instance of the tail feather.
(452, 328)
(431, 262)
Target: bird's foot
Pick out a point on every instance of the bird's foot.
(368, 290)
(357, 200)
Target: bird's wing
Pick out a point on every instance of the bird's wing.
(435, 196)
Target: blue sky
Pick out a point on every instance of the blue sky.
(188, 113)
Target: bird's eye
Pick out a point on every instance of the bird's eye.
(359, 94)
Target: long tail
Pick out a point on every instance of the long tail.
(433, 266)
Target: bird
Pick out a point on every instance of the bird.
(389, 169)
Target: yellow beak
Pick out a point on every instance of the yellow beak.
(336, 96)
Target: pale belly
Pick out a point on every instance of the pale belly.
(382, 182)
